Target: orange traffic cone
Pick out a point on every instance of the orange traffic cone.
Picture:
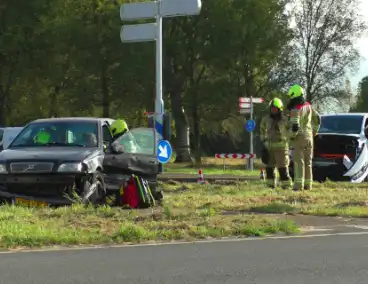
(201, 177)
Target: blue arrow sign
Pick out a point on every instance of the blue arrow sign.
(250, 125)
(164, 151)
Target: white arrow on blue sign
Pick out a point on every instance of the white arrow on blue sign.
(250, 125)
(164, 151)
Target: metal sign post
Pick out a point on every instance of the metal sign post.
(250, 161)
(153, 32)
(246, 105)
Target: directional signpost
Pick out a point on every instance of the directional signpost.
(246, 105)
(153, 32)
(164, 151)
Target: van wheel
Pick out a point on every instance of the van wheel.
(94, 190)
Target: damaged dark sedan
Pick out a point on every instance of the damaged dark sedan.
(81, 161)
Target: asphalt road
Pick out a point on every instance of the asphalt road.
(322, 260)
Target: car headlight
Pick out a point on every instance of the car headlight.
(3, 169)
(70, 167)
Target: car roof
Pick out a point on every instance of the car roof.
(348, 114)
(60, 119)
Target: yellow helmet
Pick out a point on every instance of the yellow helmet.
(118, 127)
(276, 102)
(296, 91)
(42, 137)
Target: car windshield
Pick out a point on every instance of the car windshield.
(59, 133)
(139, 140)
(342, 124)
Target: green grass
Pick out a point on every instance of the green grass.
(328, 199)
(212, 166)
(22, 227)
(189, 212)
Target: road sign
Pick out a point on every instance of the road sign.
(164, 151)
(254, 100)
(138, 33)
(245, 111)
(174, 8)
(250, 125)
(138, 11)
(156, 9)
(244, 105)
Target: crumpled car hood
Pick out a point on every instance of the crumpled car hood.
(47, 153)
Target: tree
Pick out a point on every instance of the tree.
(362, 98)
(17, 45)
(324, 35)
(206, 72)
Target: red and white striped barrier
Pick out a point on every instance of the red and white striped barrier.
(235, 156)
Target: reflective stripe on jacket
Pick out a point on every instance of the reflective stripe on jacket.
(274, 132)
(304, 120)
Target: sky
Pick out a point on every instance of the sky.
(362, 46)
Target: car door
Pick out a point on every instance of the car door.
(139, 155)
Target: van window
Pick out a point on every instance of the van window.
(341, 124)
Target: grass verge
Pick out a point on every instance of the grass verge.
(328, 199)
(189, 212)
(22, 227)
(213, 166)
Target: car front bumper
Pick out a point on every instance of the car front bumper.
(326, 169)
(333, 170)
(48, 188)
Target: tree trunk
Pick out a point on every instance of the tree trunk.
(2, 109)
(196, 135)
(54, 109)
(105, 92)
(182, 129)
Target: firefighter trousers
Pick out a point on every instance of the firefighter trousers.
(302, 158)
(278, 158)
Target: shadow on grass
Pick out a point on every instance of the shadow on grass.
(352, 203)
(272, 208)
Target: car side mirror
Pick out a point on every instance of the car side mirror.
(117, 148)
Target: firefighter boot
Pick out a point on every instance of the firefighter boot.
(285, 178)
(270, 177)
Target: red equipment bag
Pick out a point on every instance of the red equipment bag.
(130, 194)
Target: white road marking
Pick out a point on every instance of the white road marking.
(358, 227)
(315, 229)
(223, 240)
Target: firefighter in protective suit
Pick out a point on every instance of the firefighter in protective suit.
(304, 125)
(118, 128)
(274, 136)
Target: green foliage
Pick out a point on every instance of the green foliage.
(326, 32)
(65, 58)
(362, 99)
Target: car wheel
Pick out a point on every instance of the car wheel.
(94, 190)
